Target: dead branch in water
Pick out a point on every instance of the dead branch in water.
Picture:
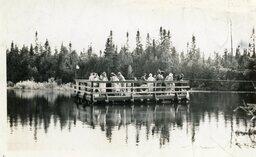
(249, 108)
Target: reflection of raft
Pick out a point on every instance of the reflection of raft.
(130, 91)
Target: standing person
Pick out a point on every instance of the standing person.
(144, 77)
(114, 85)
(180, 78)
(169, 77)
(95, 85)
(144, 84)
(151, 84)
(102, 86)
(136, 84)
(121, 78)
(91, 78)
(160, 78)
(169, 84)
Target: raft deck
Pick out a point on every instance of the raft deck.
(130, 90)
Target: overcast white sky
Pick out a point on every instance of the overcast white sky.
(88, 21)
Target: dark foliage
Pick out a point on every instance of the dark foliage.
(40, 62)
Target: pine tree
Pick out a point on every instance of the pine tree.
(148, 51)
(238, 54)
(148, 41)
(225, 57)
(36, 43)
(116, 64)
(253, 43)
(138, 49)
(70, 47)
(47, 48)
(193, 52)
(89, 51)
(127, 40)
(154, 50)
(109, 47)
(31, 50)
(166, 48)
(161, 34)
(109, 53)
(130, 72)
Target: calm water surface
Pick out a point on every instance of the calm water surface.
(47, 121)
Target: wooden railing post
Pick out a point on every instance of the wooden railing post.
(154, 93)
(92, 91)
(77, 86)
(132, 92)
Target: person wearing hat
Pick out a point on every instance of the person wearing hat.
(116, 86)
(120, 76)
(144, 77)
(96, 78)
(91, 78)
(150, 84)
(160, 77)
(169, 85)
(102, 86)
(123, 85)
(180, 78)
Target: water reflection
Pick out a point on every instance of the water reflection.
(158, 119)
(39, 110)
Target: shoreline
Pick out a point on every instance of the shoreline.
(52, 85)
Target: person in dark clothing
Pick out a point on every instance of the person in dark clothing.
(159, 77)
(179, 78)
(144, 77)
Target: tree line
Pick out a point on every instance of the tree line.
(40, 62)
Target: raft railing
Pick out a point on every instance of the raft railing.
(130, 90)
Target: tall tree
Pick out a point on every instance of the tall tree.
(139, 48)
(109, 53)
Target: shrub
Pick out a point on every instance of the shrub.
(32, 85)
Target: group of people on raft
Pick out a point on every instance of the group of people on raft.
(122, 87)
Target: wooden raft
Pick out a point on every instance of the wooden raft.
(130, 90)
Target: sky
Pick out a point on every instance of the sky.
(85, 22)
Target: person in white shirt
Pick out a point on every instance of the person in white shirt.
(150, 84)
(91, 78)
(169, 86)
(115, 85)
(121, 78)
(96, 85)
(102, 86)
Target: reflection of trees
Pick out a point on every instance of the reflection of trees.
(40, 111)
(225, 103)
(37, 111)
(49, 95)
(157, 119)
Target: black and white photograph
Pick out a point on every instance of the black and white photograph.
(128, 78)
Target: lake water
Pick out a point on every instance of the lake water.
(50, 123)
